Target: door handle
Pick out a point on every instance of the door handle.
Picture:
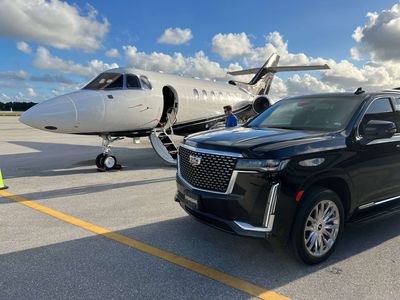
(398, 146)
(110, 96)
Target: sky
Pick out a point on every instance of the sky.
(53, 47)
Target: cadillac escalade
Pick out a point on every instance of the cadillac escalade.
(297, 172)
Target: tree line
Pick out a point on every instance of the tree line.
(16, 106)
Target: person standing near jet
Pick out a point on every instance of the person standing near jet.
(231, 120)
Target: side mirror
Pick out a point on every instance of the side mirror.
(377, 129)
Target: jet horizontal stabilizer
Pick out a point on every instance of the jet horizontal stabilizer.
(280, 69)
(260, 84)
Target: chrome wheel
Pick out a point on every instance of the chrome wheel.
(108, 162)
(321, 228)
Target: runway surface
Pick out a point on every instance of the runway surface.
(44, 254)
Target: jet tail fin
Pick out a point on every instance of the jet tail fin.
(260, 84)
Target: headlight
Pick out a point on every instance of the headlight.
(313, 162)
(266, 165)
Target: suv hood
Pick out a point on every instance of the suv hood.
(253, 141)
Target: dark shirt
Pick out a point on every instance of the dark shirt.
(231, 121)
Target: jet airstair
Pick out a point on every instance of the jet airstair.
(162, 141)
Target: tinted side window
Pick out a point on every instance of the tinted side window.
(379, 109)
(397, 104)
(132, 82)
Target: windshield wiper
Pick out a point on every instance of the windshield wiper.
(295, 128)
(281, 127)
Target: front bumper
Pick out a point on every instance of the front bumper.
(248, 210)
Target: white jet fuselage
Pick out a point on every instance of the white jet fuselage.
(119, 110)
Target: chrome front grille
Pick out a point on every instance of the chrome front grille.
(206, 170)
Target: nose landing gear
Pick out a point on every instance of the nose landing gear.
(106, 161)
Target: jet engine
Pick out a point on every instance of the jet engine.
(260, 104)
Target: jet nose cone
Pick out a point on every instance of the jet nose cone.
(57, 114)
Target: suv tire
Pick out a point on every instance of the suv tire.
(318, 225)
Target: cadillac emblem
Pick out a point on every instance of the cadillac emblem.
(194, 160)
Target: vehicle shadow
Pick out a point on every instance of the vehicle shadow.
(256, 260)
(100, 268)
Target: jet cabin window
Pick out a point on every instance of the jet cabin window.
(106, 81)
(204, 93)
(132, 82)
(196, 93)
(213, 95)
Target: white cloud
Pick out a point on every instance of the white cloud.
(198, 65)
(52, 78)
(274, 44)
(370, 76)
(19, 78)
(231, 45)
(112, 52)
(24, 47)
(278, 89)
(344, 75)
(14, 75)
(8, 84)
(4, 97)
(175, 36)
(307, 84)
(19, 96)
(55, 23)
(46, 61)
(379, 38)
(31, 92)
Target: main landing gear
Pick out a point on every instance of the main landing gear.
(106, 161)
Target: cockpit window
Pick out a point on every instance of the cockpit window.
(145, 82)
(106, 81)
(132, 82)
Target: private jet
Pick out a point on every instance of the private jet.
(132, 103)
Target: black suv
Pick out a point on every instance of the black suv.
(298, 172)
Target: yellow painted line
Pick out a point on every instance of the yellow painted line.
(214, 274)
(10, 114)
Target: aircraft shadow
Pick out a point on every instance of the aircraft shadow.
(55, 159)
(89, 189)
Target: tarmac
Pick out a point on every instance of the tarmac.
(69, 231)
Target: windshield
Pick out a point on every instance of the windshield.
(329, 114)
(106, 81)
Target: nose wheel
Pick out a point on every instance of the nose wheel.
(106, 161)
